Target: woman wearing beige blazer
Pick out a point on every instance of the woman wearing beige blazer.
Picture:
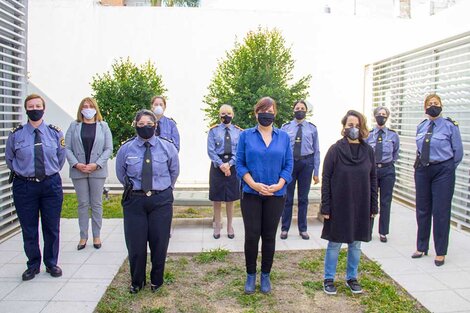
(89, 145)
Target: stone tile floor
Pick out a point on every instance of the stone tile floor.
(88, 272)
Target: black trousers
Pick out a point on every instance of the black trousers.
(434, 191)
(261, 217)
(148, 219)
(385, 181)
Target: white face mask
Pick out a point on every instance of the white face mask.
(158, 110)
(88, 113)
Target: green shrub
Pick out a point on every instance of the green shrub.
(122, 92)
(260, 66)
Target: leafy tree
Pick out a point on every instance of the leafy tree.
(260, 66)
(122, 92)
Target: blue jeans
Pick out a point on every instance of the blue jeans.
(331, 259)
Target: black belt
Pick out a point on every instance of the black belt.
(303, 157)
(148, 193)
(381, 165)
(225, 157)
(33, 179)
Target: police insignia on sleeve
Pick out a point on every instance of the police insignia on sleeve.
(62, 142)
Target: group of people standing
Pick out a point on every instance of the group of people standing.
(261, 166)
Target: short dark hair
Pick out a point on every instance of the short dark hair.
(363, 131)
(34, 96)
(264, 104)
(143, 112)
(300, 101)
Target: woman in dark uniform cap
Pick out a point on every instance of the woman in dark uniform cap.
(224, 186)
(147, 166)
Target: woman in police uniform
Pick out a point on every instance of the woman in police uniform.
(166, 126)
(35, 154)
(386, 144)
(304, 141)
(440, 151)
(224, 186)
(147, 166)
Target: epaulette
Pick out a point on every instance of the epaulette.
(238, 127)
(130, 139)
(371, 130)
(423, 121)
(392, 130)
(167, 139)
(285, 124)
(452, 121)
(170, 118)
(312, 124)
(17, 128)
(214, 126)
(57, 129)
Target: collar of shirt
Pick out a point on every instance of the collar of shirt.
(376, 131)
(437, 122)
(30, 128)
(255, 129)
(140, 141)
(223, 126)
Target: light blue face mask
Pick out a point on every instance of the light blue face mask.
(352, 133)
(88, 113)
(158, 110)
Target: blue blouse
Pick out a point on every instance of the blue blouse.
(265, 164)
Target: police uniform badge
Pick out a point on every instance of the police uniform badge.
(62, 142)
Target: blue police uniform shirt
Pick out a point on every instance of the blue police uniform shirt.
(446, 142)
(309, 144)
(169, 130)
(19, 152)
(265, 164)
(390, 144)
(216, 143)
(165, 164)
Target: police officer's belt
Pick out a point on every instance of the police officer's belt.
(380, 165)
(34, 179)
(147, 194)
(225, 157)
(303, 157)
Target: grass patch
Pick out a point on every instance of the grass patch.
(214, 255)
(213, 281)
(111, 208)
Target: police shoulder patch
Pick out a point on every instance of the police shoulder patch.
(17, 128)
(312, 124)
(62, 142)
(452, 121)
(56, 128)
(170, 118)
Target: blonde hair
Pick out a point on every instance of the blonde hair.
(429, 97)
(94, 104)
(226, 107)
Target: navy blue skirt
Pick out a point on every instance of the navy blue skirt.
(221, 187)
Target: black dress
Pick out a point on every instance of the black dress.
(349, 192)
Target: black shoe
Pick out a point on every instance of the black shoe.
(134, 289)
(30, 273)
(231, 236)
(283, 235)
(216, 236)
(439, 262)
(97, 245)
(329, 287)
(304, 235)
(383, 238)
(81, 247)
(154, 288)
(418, 254)
(354, 286)
(55, 271)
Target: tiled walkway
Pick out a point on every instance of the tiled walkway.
(88, 272)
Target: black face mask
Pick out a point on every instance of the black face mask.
(381, 120)
(145, 132)
(35, 115)
(434, 111)
(226, 119)
(299, 115)
(265, 119)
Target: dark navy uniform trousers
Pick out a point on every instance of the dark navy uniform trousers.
(32, 198)
(148, 219)
(302, 175)
(434, 190)
(385, 182)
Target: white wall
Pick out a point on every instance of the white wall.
(71, 40)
